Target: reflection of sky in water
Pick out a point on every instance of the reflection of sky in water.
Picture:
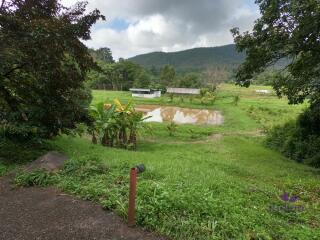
(181, 115)
(155, 116)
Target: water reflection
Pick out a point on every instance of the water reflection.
(180, 115)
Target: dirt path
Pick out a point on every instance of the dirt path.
(45, 213)
(211, 138)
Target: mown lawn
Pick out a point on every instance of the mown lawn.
(205, 182)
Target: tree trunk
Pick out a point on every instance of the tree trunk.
(122, 138)
(105, 140)
(133, 139)
(94, 139)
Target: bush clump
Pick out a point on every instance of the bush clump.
(38, 177)
(116, 125)
(299, 140)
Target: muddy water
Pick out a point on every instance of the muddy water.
(180, 115)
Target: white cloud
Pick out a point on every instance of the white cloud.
(168, 25)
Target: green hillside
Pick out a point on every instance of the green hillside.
(196, 58)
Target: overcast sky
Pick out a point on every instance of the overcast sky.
(141, 26)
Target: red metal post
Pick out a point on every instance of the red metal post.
(132, 197)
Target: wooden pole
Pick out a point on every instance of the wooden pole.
(132, 197)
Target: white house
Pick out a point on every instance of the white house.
(145, 93)
(193, 91)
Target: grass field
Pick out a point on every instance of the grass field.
(205, 182)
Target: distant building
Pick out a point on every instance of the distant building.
(145, 93)
(193, 91)
(263, 91)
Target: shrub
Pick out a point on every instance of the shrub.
(35, 178)
(298, 140)
(236, 100)
(171, 96)
(21, 152)
(208, 98)
(172, 128)
(116, 125)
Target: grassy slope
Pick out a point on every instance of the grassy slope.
(199, 186)
(203, 187)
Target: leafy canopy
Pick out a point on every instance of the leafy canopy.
(102, 54)
(287, 29)
(43, 65)
(167, 75)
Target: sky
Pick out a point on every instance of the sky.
(135, 27)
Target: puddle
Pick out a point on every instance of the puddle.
(180, 115)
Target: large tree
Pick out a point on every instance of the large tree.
(118, 76)
(167, 75)
(103, 54)
(43, 64)
(213, 76)
(290, 30)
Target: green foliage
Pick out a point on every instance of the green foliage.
(118, 76)
(204, 91)
(42, 67)
(299, 140)
(35, 178)
(189, 80)
(265, 115)
(207, 97)
(13, 152)
(171, 96)
(236, 100)
(266, 78)
(167, 75)
(102, 54)
(172, 128)
(286, 29)
(143, 80)
(192, 59)
(116, 125)
(193, 134)
(84, 168)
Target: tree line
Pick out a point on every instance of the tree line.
(125, 74)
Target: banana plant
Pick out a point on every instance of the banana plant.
(116, 124)
(104, 123)
(135, 122)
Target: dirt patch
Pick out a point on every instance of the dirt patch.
(45, 213)
(52, 161)
(254, 133)
(216, 136)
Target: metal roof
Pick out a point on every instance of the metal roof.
(184, 90)
(140, 89)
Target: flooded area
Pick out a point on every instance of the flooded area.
(180, 115)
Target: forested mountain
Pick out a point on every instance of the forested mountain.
(192, 59)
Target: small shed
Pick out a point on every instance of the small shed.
(263, 91)
(145, 92)
(193, 91)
